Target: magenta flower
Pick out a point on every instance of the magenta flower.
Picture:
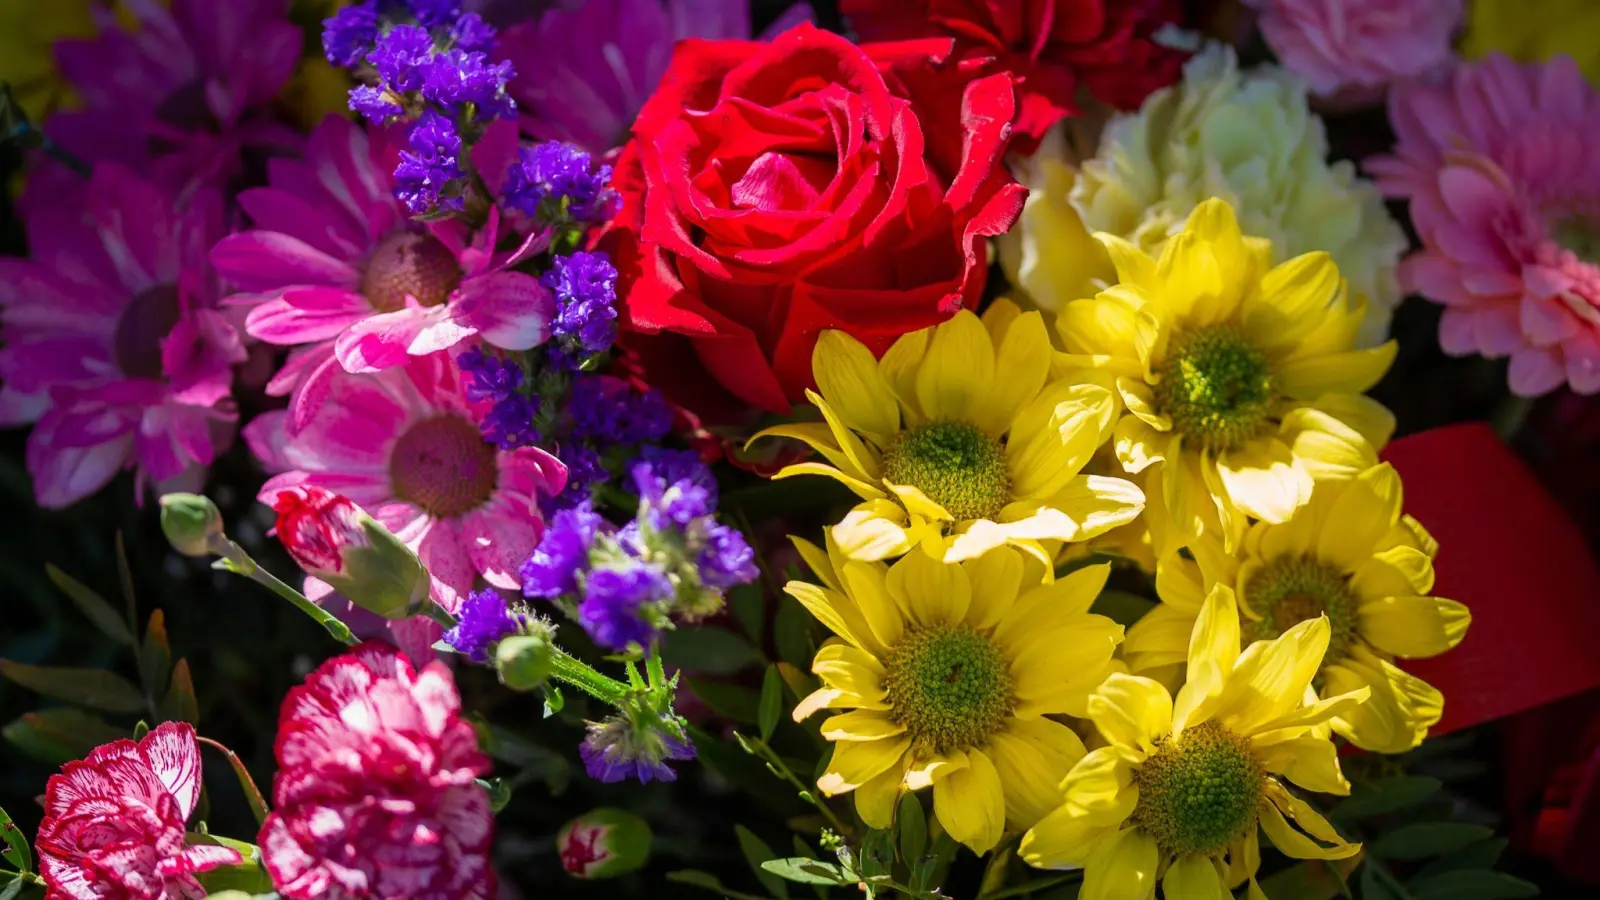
(376, 793)
(1498, 162)
(335, 267)
(179, 95)
(405, 445)
(1357, 48)
(113, 824)
(113, 343)
(584, 70)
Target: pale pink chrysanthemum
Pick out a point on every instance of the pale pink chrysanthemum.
(113, 825)
(336, 267)
(113, 344)
(585, 69)
(1354, 49)
(404, 444)
(1498, 162)
(376, 794)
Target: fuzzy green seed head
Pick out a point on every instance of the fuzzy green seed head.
(1200, 792)
(949, 686)
(1216, 386)
(1291, 589)
(955, 464)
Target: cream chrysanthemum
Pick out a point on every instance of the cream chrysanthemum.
(961, 440)
(1247, 137)
(1182, 787)
(950, 673)
(1350, 555)
(1240, 383)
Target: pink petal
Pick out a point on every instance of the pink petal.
(263, 260)
(382, 341)
(1535, 371)
(174, 756)
(63, 475)
(307, 315)
(498, 544)
(1546, 321)
(511, 310)
(201, 857)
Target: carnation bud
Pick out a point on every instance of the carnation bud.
(333, 539)
(523, 661)
(604, 843)
(190, 522)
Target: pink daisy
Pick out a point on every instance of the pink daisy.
(584, 70)
(1498, 162)
(335, 266)
(405, 445)
(112, 341)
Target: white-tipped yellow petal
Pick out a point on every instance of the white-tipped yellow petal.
(855, 763)
(927, 771)
(861, 725)
(873, 531)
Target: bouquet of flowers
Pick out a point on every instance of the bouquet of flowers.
(987, 449)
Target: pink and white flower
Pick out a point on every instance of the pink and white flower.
(113, 343)
(1351, 50)
(1498, 162)
(405, 445)
(376, 794)
(113, 824)
(335, 267)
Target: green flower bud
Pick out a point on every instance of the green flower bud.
(334, 540)
(523, 661)
(191, 523)
(604, 843)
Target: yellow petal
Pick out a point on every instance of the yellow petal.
(855, 763)
(1101, 325)
(1213, 648)
(1098, 504)
(1122, 867)
(865, 584)
(928, 591)
(848, 376)
(998, 318)
(1138, 444)
(1058, 604)
(1291, 301)
(1352, 372)
(1367, 416)
(1290, 841)
(1101, 784)
(996, 578)
(1132, 712)
(970, 804)
(862, 489)
(1064, 839)
(1270, 678)
(816, 560)
(1361, 517)
(1194, 878)
(1032, 756)
(926, 772)
(836, 611)
(1327, 448)
(1022, 363)
(819, 437)
(1265, 480)
(872, 531)
(1295, 537)
(1397, 570)
(1133, 265)
(1399, 711)
(860, 725)
(864, 459)
(1160, 638)
(1140, 400)
(1055, 435)
(1413, 627)
(899, 368)
(1311, 762)
(876, 800)
(917, 503)
(957, 374)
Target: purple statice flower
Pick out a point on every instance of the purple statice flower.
(509, 424)
(432, 13)
(617, 749)
(554, 173)
(725, 559)
(483, 619)
(585, 287)
(402, 57)
(675, 487)
(455, 78)
(472, 34)
(563, 551)
(493, 378)
(349, 35)
(615, 601)
(375, 104)
(585, 469)
(608, 411)
(429, 165)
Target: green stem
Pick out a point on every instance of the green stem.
(235, 560)
(781, 768)
(439, 614)
(581, 675)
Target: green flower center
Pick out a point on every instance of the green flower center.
(949, 686)
(1291, 589)
(1199, 792)
(955, 464)
(409, 264)
(444, 465)
(1580, 234)
(1216, 386)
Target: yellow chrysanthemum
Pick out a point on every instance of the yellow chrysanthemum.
(1239, 381)
(1534, 32)
(1179, 791)
(961, 441)
(949, 673)
(1351, 555)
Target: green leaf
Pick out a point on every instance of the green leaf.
(252, 794)
(96, 688)
(1425, 839)
(1482, 855)
(792, 633)
(60, 734)
(756, 852)
(93, 606)
(749, 604)
(1375, 887)
(707, 649)
(709, 882)
(155, 654)
(801, 848)
(17, 852)
(1386, 795)
(808, 871)
(911, 826)
(771, 702)
(180, 703)
(248, 877)
(554, 702)
(1471, 886)
(731, 701)
(499, 791)
(13, 887)
(1121, 607)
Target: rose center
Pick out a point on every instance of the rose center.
(148, 318)
(1216, 386)
(1291, 589)
(1199, 792)
(955, 464)
(443, 465)
(783, 181)
(409, 264)
(949, 686)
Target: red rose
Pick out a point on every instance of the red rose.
(1051, 45)
(775, 190)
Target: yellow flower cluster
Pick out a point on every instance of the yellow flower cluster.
(1208, 406)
